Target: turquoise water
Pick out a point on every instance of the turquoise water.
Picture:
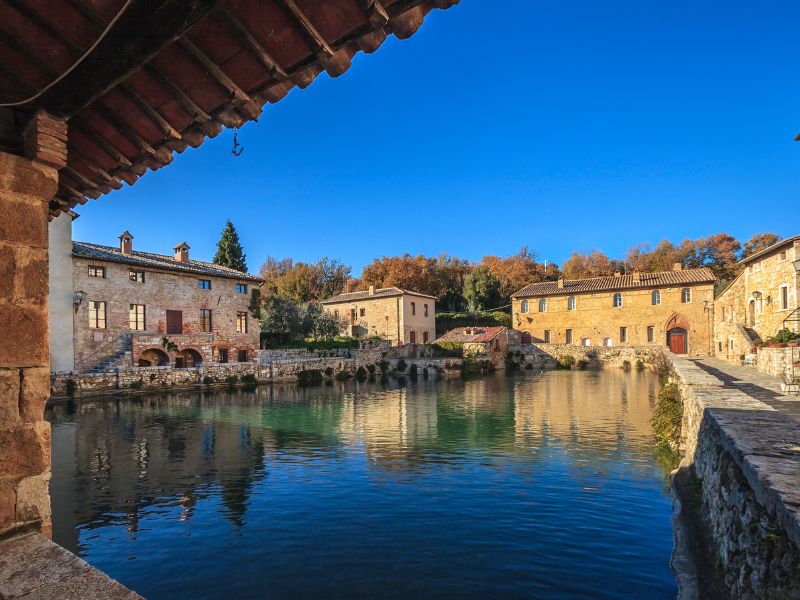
(537, 486)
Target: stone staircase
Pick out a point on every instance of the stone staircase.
(120, 357)
(749, 334)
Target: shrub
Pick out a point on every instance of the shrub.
(342, 375)
(626, 365)
(70, 386)
(329, 371)
(137, 385)
(249, 379)
(413, 372)
(566, 362)
(401, 365)
(784, 336)
(471, 367)
(232, 380)
(447, 350)
(667, 417)
(640, 365)
(152, 376)
(361, 374)
(582, 364)
(662, 367)
(311, 377)
(209, 380)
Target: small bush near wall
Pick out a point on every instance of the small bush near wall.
(582, 364)
(626, 365)
(447, 350)
(361, 374)
(566, 362)
(402, 365)
(640, 365)
(471, 367)
(312, 377)
(667, 417)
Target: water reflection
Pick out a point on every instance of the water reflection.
(367, 489)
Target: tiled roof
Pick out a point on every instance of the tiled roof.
(156, 261)
(623, 282)
(379, 293)
(476, 335)
(775, 246)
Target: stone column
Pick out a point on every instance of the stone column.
(26, 187)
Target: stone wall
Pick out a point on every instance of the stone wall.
(744, 456)
(777, 361)
(541, 355)
(25, 189)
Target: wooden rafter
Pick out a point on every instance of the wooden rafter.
(187, 104)
(125, 130)
(101, 143)
(155, 117)
(252, 44)
(321, 47)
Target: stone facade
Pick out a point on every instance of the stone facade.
(62, 349)
(758, 300)
(547, 356)
(26, 187)
(162, 290)
(399, 316)
(592, 319)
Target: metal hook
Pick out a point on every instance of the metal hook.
(237, 148)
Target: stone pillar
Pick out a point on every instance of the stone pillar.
(26, 187)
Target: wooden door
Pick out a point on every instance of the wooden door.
(677, 342)
(174, 321)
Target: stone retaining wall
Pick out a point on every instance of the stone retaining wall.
(547, 355)
(745, 456)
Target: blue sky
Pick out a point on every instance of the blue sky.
(556, 125)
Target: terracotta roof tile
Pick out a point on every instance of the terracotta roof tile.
(379, 293)
(476, 335)
(623, 282)
(156, 261)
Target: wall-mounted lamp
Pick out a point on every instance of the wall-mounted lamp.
(797, 265)
(78, 298)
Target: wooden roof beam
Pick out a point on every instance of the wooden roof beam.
(376, 13)
(335, 63)
(187, 104)
(168, 130)
(252, 44)
(101, 143)
(125, 130)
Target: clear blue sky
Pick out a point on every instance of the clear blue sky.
(556, 125)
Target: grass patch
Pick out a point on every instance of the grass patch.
(667, 417)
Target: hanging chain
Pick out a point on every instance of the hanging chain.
(237, 148)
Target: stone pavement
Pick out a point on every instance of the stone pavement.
(752, 382)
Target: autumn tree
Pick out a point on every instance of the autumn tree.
(481, 290)
(229, 250)
(584, 264)
(759, 242)
(718, 252)
(662, 258)
(514, 272)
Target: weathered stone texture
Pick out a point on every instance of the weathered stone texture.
(26, 449)
(25, 335)
(34, 393)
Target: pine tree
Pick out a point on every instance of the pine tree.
(229, 250)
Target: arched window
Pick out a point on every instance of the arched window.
(571, 303)
(656, 297)
(608, 342)
(543, 305)
(617, 300)
(586, 342)
(686, 295)
(523, 306)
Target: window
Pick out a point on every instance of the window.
(569, 336)
(425, 337)
(608, 342)
(241, 322)
(136, 317)
(204, 284)
(426, 310)
(205, 320)
(223, 355)
(686, 295)
(617, 303)
(362, 312)
(543, 305)
(546, 336)
(523, 306)
(623, 335)
(97, 271)
(97, 315)
(723, 314)
(571, 303)
(655, 297)
(784, 294)
(241, 288)
(586, 342)
(413, 308)
(242, 356)
(651, 334)
(782, 255)
(137, 276)
(335, 313)
(412, 337)
(720, 346)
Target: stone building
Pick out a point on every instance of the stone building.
(672, 308)
(481, 340)
(400, 316)
(760, 301)
(135, 308)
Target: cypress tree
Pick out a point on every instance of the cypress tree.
(229, 250)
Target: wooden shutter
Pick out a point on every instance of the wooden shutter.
(174, 321)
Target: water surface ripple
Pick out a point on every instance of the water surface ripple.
(535, 486)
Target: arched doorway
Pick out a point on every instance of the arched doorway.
(751, 313)
(153, 357)
(188, 357)
(526, 337)
(678, 340)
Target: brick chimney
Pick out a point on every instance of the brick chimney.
(560, 281)
(126, 242)
(372, 290)
(637, 277)
(182, 252)
(677, 267)
(617, 274)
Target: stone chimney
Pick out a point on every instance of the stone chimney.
(372, 290)
(617, 274)
(560, 281)
(637, 277)
(677, 267)
(182, 252)
(126, 242)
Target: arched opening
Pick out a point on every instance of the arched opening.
(607, 342)
(188, 357)
(586, 341)
(751, 313)
(153, 357)
(526, 337)
(678, 340)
